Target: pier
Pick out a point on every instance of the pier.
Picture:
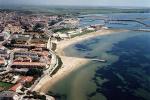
(118, 20)
(99, 60)
(144, 30)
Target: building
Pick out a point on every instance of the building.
(23, 59)
(28, 65)
(16, 87)
(97, 27)
(33, 56)
(61, 35)
(2, 36)
(25, 79)
(2, 62)
(4, 53)
(13, 28)
(9, 95)
(20, 83)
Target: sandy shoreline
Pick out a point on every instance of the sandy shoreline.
(68, 67)
(65, 43)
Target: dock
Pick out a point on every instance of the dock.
(144, 30)
(99, 60)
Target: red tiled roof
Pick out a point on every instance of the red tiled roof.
(26, 79)
(1, 62)
(44, 53)
(38, 64)
(15, 87)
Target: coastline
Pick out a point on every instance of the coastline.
(65, 43)
(75, 64)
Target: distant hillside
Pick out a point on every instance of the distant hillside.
(61, 10)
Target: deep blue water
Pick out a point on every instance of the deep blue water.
(129, 74)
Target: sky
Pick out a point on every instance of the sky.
(132, 3)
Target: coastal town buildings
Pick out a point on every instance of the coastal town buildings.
(26, 50)
(24, 56)
(9, 95)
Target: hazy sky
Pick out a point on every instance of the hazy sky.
(143, 3)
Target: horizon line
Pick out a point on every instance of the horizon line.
(129, 7)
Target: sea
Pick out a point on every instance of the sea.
(125, 75)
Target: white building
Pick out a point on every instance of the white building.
(9, 95)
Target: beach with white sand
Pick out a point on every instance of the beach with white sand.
(70, 64)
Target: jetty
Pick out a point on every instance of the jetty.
(99, 60)
(132, 20)
(144, 30)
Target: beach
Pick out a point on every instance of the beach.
(67, 67)
(65, 43)
(74, 53)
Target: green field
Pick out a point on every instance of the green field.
(85, 32)
(62, 30)
(72, 10)
(5, 85)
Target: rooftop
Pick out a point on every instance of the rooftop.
(28, 65)
(7, 94)
(15, 87)
(26, 79)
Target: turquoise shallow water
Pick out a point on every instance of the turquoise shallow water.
(124, 77)
(128, 77)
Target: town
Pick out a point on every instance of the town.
(27, 50)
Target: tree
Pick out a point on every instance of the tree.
(38, 27)
(34, 72)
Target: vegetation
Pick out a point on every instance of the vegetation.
(38, 27)
(60, 63)
(35, 95)
(5, 85)
(53, 22)
(57, 96)
(84, 32)
(54, 46)
(34, 72)
(73, 11)
(62, 30)
(28, 85)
